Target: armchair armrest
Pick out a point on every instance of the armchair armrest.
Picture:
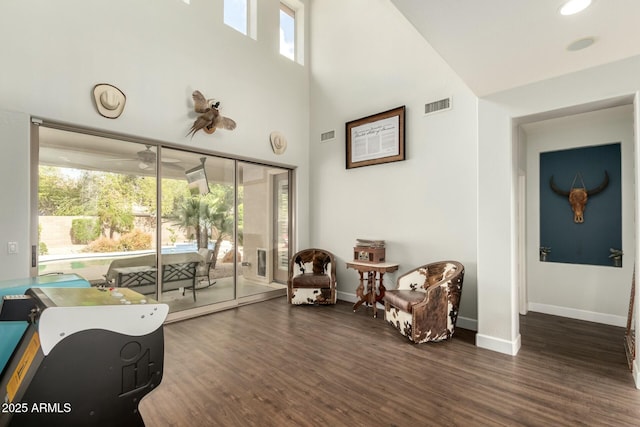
(434, 297)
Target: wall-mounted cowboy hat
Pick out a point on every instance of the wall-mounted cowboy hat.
(109, 100)
(278, 142)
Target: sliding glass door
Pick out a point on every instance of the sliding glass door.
(96, 203)
(198, 216)
(259, 239)
(281, 210)
(187, 228)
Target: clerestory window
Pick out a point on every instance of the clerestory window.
(287, 31)
(241, 16)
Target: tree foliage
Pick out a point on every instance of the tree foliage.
(84, 230)
(59, 194)
(115, 204)
(220, 215)
(209, 217)
(115, 199)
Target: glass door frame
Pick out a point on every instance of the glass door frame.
(159, 146)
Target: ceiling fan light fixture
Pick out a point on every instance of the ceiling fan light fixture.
(574, 6)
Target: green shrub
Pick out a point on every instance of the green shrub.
(84, 230)
(43, 250)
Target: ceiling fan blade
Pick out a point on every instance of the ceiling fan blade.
(172, 166)
(169, 160)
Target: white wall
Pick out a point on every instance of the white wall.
(497, 260)
(157, 53)
(367, 59)
(588, 292)
(14, 194)
(454, 196)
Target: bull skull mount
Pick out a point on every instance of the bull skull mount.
(578, 196)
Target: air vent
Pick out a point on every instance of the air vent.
(441, 105)
(327, 136)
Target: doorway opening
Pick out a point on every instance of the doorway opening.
(594, 293)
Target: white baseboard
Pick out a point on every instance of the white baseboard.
(347, 297)
(463, 322)
(573, 313)
(636, 375)
(467, 323)
(498, 344)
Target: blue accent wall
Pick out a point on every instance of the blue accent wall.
(590, 241)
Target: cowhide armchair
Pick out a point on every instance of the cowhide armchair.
(424, 305)
(312, 277)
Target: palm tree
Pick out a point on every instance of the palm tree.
(190, 217)
(219, 216)
(212, 216)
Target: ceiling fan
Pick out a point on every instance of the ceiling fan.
(147, 159)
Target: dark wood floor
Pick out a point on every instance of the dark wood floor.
(271, 364)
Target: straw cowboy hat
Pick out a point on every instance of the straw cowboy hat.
(278, 142)
(109, 100)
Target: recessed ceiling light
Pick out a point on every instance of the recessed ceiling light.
(574, 6)
(581, 44)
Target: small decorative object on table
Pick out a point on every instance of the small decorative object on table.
(369, 251)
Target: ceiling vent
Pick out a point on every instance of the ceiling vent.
(436, 106)
(327, 136)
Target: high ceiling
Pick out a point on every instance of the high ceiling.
(495, 45)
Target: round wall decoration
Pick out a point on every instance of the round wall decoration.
(278, 142)
(109, 100)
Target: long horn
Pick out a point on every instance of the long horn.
(600, 187)
(556, 189)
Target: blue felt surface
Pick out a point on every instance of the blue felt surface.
(11, 332)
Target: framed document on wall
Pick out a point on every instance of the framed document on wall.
(376, 139)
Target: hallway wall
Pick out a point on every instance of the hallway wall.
(587, 292)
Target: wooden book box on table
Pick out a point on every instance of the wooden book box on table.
(368, 254)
